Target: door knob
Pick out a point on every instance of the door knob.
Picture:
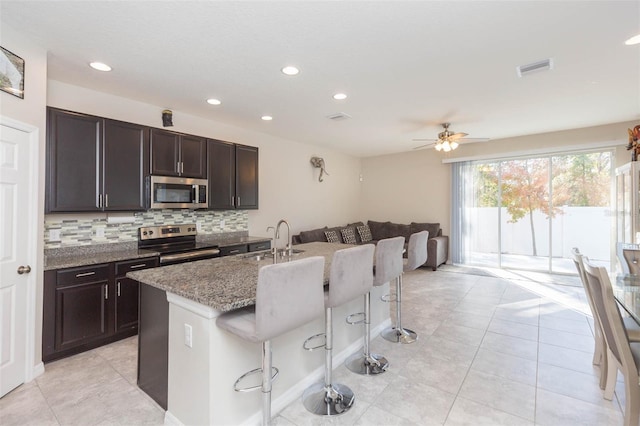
(24, 269)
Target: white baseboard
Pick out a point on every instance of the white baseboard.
(171, 420)
(316, 375)
(35, 371)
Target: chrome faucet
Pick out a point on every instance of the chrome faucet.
(288, 248)
(274, 250)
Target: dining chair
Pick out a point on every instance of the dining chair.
(632, 260)
(599, 351)
(622, 354)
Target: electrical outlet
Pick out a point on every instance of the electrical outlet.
(222, 223)
(100, 232)
(54, 235)
(188, 335)
(199, 226)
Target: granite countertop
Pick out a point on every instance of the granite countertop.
(224, 283)
(70, 257)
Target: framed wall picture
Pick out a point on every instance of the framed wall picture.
(11, 73)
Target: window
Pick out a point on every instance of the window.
(528, 213)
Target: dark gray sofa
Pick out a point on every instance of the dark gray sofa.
(437, 245)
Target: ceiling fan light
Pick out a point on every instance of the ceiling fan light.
(454, 145)
(446, 147)
(439, 146)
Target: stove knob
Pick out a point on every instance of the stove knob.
(144, 232)
(150, 232)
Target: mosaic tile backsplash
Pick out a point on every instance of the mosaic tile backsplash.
(82, 232)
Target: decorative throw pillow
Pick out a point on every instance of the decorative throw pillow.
(348, 235)
(365, 233)
(332, 236)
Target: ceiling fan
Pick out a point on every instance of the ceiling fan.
(448, 140)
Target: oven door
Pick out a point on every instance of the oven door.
(166, 192)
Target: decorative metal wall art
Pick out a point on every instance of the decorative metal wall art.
(319, 163)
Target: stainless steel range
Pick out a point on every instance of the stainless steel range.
(175, 243)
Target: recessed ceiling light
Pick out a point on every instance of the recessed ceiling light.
(100, 66)
(213, 101)
(289, 70)
(633, 40)
(267, 117)
(339, 96)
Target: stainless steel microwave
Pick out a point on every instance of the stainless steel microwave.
(167, 192)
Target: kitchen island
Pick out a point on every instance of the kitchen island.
(205, 361)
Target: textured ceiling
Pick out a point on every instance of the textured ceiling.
(406, 66)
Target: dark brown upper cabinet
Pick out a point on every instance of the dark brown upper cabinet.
(175, 154)
(233, 176)
(125, 165)
(246, 177)
(94, 164)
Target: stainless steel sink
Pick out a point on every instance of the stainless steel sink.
(283, 252)
(262, 255)
(257, 256)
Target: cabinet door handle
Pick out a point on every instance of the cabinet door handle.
(233, 199)
(118, 288)
(238, 205)
(141, 265)
(181, 167)
(106, 292)
(106, 200)
(85, 274)
(100, 201)
(234, 251)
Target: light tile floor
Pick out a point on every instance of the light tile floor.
(513, 349)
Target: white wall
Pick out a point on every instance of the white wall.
(289, 186)
(411, 186)
(31, 110)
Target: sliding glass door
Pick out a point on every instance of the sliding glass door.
(527, 213)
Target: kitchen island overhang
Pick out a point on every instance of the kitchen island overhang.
(201, 376)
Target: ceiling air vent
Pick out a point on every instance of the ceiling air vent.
(545, 65)
(340, 116)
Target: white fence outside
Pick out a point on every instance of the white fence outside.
(588, 228)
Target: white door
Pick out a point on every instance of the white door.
(15, 184)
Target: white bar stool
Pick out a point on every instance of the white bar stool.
(351, 276)
(416, 257)
(288, 295)
(388, 266)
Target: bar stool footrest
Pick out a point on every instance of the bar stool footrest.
(350, 320)
(388, 298)
(251, 373)
(315, 336)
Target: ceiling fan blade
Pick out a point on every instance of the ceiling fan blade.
(457, 136)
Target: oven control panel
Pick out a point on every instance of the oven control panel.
(166, 231)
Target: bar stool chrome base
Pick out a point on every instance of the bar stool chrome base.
(333, 400)
(399, 335)
(369, 366)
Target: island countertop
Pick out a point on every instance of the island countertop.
(224, 283)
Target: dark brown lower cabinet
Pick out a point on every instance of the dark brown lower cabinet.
(81, 314)
(89, 306)
(126, 304)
